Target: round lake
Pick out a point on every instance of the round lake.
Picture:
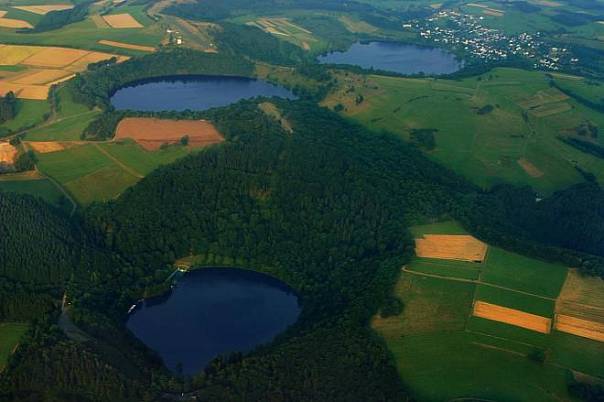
(192, 92)
(212, 312)
(396, 57)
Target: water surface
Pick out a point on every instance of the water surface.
(396, 57)
(212, 312)
(192, 92)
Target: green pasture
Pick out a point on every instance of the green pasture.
(487, 148)
(450, 269)
(29, 113)
(515, 300)
(143, 162)
(67, 124)
(10, 334)
(526, 274)
(17, 14)
(86, 173)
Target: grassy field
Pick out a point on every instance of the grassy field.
(102, 171)
(443, 352)
(10, 333)
(515, 139)
(29, 113)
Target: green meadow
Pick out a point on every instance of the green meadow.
(502, 126)
(42, 188)
(444, 353)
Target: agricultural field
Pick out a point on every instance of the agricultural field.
(502, 126)
(43, 67)
(151, 133)
(10, 334)
(490, 326)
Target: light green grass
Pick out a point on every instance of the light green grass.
(512, 270)
(10, 334)
(29, 113)
(451, 269)
(484, 148)
(69, 122)
(144, 162)
(86, 173)
(515, 300)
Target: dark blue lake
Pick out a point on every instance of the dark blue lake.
(396, 57)
(192, 92)
(212, 312)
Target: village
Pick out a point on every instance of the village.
(466, 34)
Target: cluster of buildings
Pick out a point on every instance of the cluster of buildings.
(466, 33)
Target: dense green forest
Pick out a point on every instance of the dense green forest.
(59, 18)
(256, 44)
(8, 107)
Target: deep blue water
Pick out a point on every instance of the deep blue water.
(396, 57)
(212, 312)
(192, 92)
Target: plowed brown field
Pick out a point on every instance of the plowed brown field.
(152, 133)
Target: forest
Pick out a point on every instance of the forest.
(8, 107)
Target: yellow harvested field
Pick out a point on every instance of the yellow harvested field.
(44, 9)
(451, 247)
(93, 57)
(99, 21)
(55, 57)
(121, 21)
(511, 316)
(7, 153)
(151, 133)
(46, 147)
(529, 168)
(45, 66)
(11, 55)
(127, 46)
(41, 77)
(2, 13)
(15, 24)
(580, 327)
(493, 13)
(34, 92)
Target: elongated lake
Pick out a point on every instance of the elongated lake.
(396, 57)
(212, 312)
(192, 92)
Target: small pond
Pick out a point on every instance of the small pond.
(211, 312)
(192, 92)
(396, 57)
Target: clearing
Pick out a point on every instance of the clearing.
(152, 133)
